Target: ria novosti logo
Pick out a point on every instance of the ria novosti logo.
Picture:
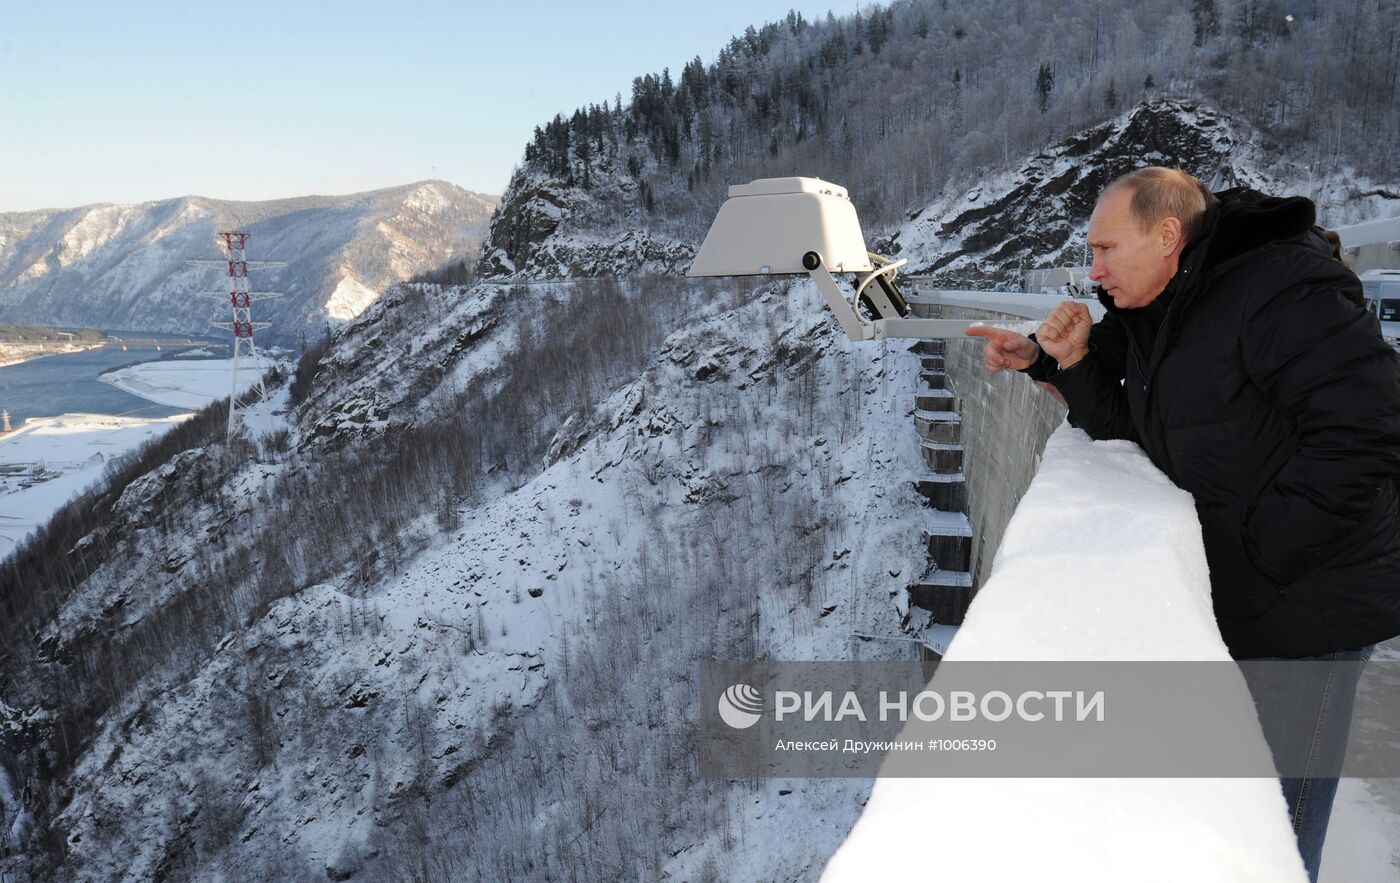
(741, 706)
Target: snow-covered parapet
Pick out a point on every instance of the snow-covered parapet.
(1103, 560)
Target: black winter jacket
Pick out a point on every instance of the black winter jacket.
(1258, 382)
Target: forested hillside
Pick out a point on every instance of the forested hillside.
(897, 101)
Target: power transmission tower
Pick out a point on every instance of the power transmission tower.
(240, 299)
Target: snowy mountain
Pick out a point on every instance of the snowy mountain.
(123, 266)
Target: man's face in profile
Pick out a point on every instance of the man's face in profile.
(1131, 264)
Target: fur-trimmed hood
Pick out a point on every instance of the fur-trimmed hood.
(1245, 219)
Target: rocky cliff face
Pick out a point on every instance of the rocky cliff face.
(549, 229)
(123, 266)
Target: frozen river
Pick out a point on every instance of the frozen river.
(74, 413)
(67, 384)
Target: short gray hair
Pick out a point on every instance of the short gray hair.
(1160, 193)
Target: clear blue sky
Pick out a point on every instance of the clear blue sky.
(129, 102)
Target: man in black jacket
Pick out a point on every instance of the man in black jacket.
(1239, 355)
(1241, 358)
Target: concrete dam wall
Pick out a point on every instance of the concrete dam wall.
(981, 437)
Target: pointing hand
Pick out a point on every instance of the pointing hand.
(1005, 349)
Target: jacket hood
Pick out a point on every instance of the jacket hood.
(1245, 219)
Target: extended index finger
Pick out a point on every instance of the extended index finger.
(987, 331)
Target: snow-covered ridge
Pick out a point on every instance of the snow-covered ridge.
(988, 235)
(123, 266)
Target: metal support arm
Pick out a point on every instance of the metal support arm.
(858, 328)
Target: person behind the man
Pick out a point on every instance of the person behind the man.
(1240, 356)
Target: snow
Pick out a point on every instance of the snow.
(189, 384)
(264, 419)
(575, 232)
(428, 198)
(351, 652)
(939, 416)
(1369, 232)
(1055, 594)
(78, 447)
(960, 237)
(947, 523)
(367, 691)
(12, 810)
(15, 353)
(349, 299)
(1363, 839)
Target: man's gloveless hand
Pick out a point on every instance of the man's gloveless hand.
(1065, 333)
(1005, 349)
